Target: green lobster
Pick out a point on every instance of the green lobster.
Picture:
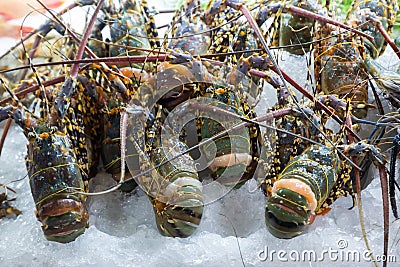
(55, 176)
(309, 175)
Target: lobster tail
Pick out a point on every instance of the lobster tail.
(301, 190)
(229, 157)
(54, 174)
(181, 214)
(63, 217)
(179, 204)
(286, 215)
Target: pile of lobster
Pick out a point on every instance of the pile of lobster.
(130, 102)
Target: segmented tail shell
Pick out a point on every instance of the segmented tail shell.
(305, 185)
(178, 205)
(54, 174)
(231, 155)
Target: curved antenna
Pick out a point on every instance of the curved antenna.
(30, 63)
(4, 135)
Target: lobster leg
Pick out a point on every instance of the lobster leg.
(366, 150)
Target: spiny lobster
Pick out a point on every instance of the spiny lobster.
(185, 218)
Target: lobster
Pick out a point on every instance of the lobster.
(176, 193)
(342, 62)
(308, 177)
(53, 168)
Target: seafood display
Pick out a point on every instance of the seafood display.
(172, 114)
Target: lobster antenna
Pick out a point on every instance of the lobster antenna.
(18, 180)
(9, 120)
(123, 127)
(236, 236)
(46, 101)
(359, 198)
